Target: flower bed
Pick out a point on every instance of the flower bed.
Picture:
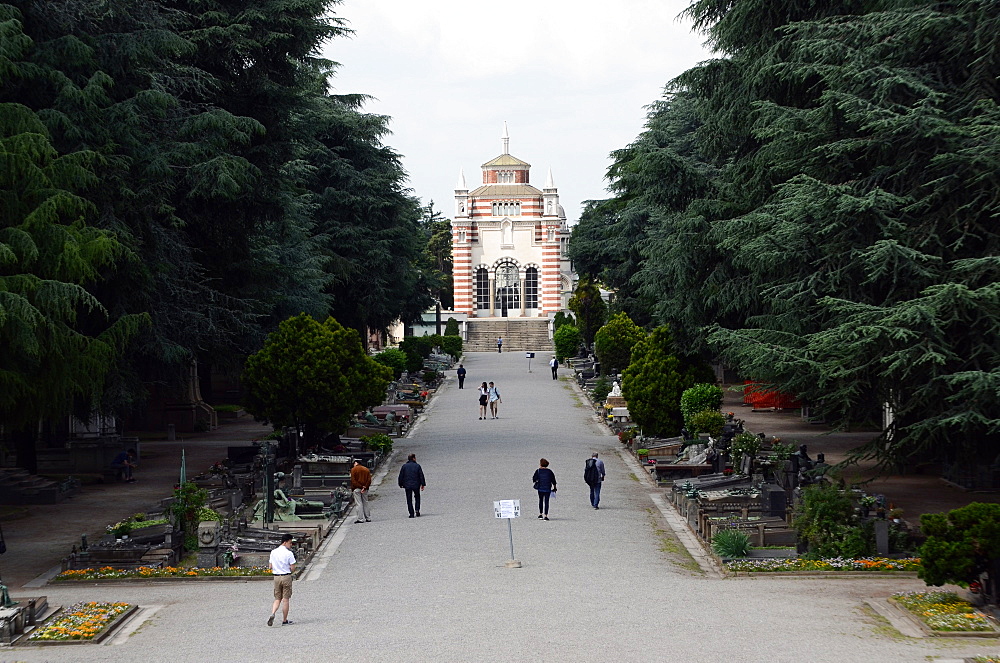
(80, 622)
(943, 611)
(111, 573)
(875, 564)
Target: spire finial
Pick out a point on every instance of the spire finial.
(461, 179)
(549, 183)
(505, 139)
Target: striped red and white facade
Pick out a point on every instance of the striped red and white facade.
(509, 243)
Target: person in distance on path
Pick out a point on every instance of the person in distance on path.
(461, 376)
(593, 474)
(495, 400)
(411, 479)
(499, 343)
(282, 565)
(484, 396)
(361, 481)
(554, 365)
(545, 484)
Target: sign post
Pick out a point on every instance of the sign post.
(529, 356)
(509, 509)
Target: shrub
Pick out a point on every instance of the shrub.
(451, 328)
(708, 421)
(823, 520)
(206, 514)
(431, 376)
(186, 509)
(561, 319)
(702, 396)
(452, 345)
(654, 381)
(380, 442)
(298, 378)
(731, 543)
(614, 341)
(960, 544)
(602, 387)
(416, 348)
(567, 341)
(394, 358)
(744, 444)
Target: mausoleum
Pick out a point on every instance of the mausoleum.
(509, 243)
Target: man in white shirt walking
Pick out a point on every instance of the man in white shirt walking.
(282, 565)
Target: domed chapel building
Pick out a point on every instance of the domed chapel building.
(509, 244)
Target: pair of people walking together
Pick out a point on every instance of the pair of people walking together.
(489, 396)
(545, 483)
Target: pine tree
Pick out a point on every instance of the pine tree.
(312, 376)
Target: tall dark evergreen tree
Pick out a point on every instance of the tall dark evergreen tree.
(835, 230)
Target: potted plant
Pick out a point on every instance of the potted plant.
(744, 444)
(867, 502)
(642, 454)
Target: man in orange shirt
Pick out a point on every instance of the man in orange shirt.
(361, 481)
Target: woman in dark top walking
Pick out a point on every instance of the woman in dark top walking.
(484, 394)
(545, 484)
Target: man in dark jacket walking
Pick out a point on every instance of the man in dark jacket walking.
(411, 479)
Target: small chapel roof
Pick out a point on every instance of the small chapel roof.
(506, 191)
(506, 160)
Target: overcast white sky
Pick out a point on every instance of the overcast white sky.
(570, 78)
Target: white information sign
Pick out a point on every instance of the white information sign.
(507, 509)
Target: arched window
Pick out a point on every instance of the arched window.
(531, 287)
(508, 287)
(482, 289)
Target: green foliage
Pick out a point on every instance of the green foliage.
(567, 341)
(731, 543)
(451, 327)
(590, 309)
(960, 544)
(205, 182)
(380, 443)
(824, 519)
(417, 348)
(431, 376)
(781, 451)
(438, 258)
(614, 341)
(313, 376)
(59, 341)
(654, 381)
(452, 345)
(707, 421)
(700, 397)
(744, 444)
(394, 358)
(561, 318)
(602, 387)
(206, 514)
(818, 205)
(186, 509)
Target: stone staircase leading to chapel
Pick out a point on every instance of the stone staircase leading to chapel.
(519, 335)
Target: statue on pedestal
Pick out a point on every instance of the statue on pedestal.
(616, 390)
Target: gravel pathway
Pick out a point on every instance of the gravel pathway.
(599, 585)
